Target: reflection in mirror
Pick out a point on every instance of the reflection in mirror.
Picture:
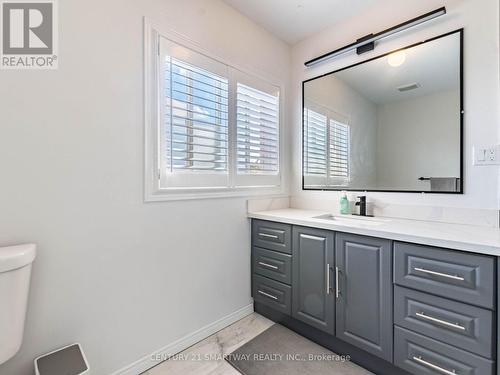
(390, 124)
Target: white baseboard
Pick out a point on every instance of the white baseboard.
(185, 342)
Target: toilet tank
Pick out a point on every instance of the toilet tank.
(15, 273)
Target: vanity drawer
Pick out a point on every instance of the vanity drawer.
(464, 326)
(272, 236)
(452, 274)
(421, 355)
(272, 293)
(276, 266)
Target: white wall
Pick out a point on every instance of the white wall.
(121, 277)
(418, 137)
(481, 24)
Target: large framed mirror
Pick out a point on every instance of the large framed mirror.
(393, 123)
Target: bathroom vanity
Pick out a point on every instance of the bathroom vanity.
(399, 296)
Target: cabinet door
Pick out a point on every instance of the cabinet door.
(365, 293)
(312, 277)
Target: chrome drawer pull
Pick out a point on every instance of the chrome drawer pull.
(337, 287)
(268, 235)
(433, 366)
(309, 237)
(454, 277)
(327, 279)
(268, 265)
(268, 295)
(443, 322)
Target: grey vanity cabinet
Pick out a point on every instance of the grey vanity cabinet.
(364, 315)
(423, 309)
(312, 292)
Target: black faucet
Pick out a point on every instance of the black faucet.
(362, 205)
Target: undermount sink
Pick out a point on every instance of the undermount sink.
(350, 220)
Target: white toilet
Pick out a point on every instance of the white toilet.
(15, 272)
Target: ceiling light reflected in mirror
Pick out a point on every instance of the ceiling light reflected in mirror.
(396, 59)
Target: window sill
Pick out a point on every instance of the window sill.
(165, 195)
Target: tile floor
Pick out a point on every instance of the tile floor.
(207, 356)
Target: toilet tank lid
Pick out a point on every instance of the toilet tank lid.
(13, 257)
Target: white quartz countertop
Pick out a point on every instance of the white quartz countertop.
(477, 239)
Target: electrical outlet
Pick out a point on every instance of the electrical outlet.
(492, 154)
(489, 155)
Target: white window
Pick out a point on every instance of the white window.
(215, 130)
(326, 148)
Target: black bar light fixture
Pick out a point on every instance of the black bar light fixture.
(367, 43)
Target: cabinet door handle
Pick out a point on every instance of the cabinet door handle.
(273, 236)
(337, 286)
(454, 277)
(328, 279)
(309, 237)
(439, 321)
(268, 265)
(434, 367)
(268, 295)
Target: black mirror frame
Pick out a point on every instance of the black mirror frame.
(461, 33)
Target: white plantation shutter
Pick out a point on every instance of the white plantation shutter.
(197, 118)
(339, 151)
(219, 128)
(257, 131)
(315, 143)
(195, 111)
(326, 148)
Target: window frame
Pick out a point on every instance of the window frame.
(328, 180)
(153, 175)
